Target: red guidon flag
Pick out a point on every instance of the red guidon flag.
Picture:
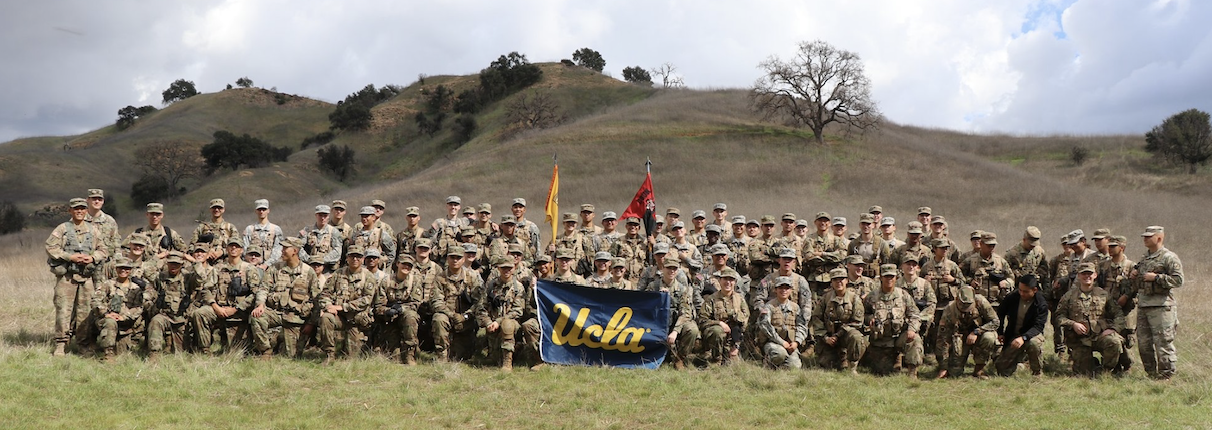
(643, 206)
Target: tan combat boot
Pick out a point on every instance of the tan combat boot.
(267, 355)
(109, 355)
(153, 356)
(912, 370)
(60, 349)
(678, 364)
(409, 357)
(507, 361)
(328, 359)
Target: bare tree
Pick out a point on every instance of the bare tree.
(822, 85)
(171, 160)
(538, 110)
(669, 77)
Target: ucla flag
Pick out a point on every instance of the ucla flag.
(594, 326)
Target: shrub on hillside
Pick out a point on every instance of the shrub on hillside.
(589, 59)
(128, 115)
(468, 101)
(338, 160)
(506, 75)
(151, 188)
(429, 125)
(464, 127)
(11, 219)
(179, 90)
(637, 75)
(244, 82)
(440, 99)
(1184, 138)
(231, 151)
(321, 138)
(353, 113)
(1078, 155)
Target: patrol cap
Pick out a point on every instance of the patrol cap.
(608, 215)
(924, 210)
(1087, 267)
(914, 227)
(123, 262)
(565, 254)
(677, 225)
(455, 252)
(379, 203)
(373, 253)
(855, 259)
(719, 249)
(989, 238)
(1032, 233)
(752, 221)
(712, 228)
(822, 215)
(355, 250)
(786, 253)
(509, 219)
(516, 248)
(406, 259)
(1152, 230)
(789, 217)
(660, 248)
(838, 272)
(292, 242)
(323, 209)
(940, 243)
(866, 218)
(617, 262)
(235, 241)
(967, 296)
(217, 203)
(887, 221)
(454, 199)
(938, 219)
(569, 217)
(587, 207)
(602, 255)
(660, 219)
(542, 259)
(1117, 241)
(469, 211)
(801, 223)
(96, 192)
(138, 239)
(412, 210)
(316, 260)
(1101, 233)
(739, 219)
(519, 202)
(175, 257)
(671, 263)
(839, 220)
(889, 269)
(467, 230)
(852, 236)
(504, 263)
(875, 209)
(719, 207)
(768, 220)
(674, 212)
(1075, 236)
(698, 214)
(729, 272)
(199, 247)
(78, 202)
(155, 208)
(261, 204)
(367, 210)
(338, 204)
(254, 250)
(470, 248)
(423, 243)
(485, 208)
(976, 234)
(911, 261)
(633, 220)
(782, 281)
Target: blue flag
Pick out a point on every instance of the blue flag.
(594, 326)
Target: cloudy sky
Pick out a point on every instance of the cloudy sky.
(1017, 66)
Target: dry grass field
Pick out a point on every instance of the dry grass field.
(706, 147)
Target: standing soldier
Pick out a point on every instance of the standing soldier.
(822, 253)
(575, 241)
(1101, 237)
(723, 318)
(946, 279)
(370, 235)
(456, 291)
(861, 285)
(484, 229)
(790, 238)
(172, 300)
(286, 301)
(264, 235)
(381, 208)
(1058, 268)
(215, 232)
(888, 232)
(500, 308)
(1021, 320)
(160, 238)
(839, 230)
(605, 240)
(1152, 282)
(118, 304)
(938, 230)
(1112, 277)
(74, 250)
(893, 323)
(321, 239)
(698, 235)
(968, 327)
(528, 231)
(587, 228)
(145, 267)
(923, 215)
(837, 324)
(398, 304)
(338, 220)
(989, 272)
(719, 213)
(922, 294)
(782, 327)
(238, 286)
(760, 250)
(1092, 321)
(106, 225)
(445, 231)
(345, 306)
(912, 248)
(601, 270)
(633, 249)
(406, 239)
(1028, 257)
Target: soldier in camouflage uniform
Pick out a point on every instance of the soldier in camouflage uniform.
(172, 299)
(618, 279)
(893, 321)
(1152, 283)
(760, 251)
(782, 327)
(455, 297)
(145, 268)
(160, 238)
(913, 248)
(738, 245)
(118, 304)
(719, 215)
(1112, 277)
(287, 300)
(860, 284)
(575, 241)
(106, 225)
(345, 306)
(968, 327)
(445, 231)
(923, 295)
(683, 331)
(406, 239)
(605, 240)
(321, 239)
(681, 249)
(633, 249)
(723, 318)
(753, 228)
(888, 233)
(381, 208)
(822, 253)
(397, 308)
(870, 246)
(601, 270)
(230, 300)
(564, 262)
(528, 231)
(975, 239)
(74, 249)
(1092, 321)
(837, 324)
(990, 273)
(587, 228)
(337, 220)
(1028, 257)
(801, 292)
(500, 307)
(698, 233)
(215, 232)
(371, 235)
(501, 244)
(264, 235)
(1101, 238)
(839, 230)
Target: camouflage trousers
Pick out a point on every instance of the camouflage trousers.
(850, 346)
(204, 321)
(718, 345)
(881, 355)
(684, 345)
(1082, 351)
(265, 340)
(399, 332)
(779, 358)
(454, 339)
(1007, 361)
(343, 330)
(503, 338)
(958, 350)
(930, 340)
(65, 291)
(531, 336)
(161, 325)
(1156, 327)
(109, 330)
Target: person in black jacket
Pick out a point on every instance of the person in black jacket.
(1023, 316)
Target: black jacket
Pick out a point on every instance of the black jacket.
(1037, 316)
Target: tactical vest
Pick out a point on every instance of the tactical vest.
(319, 241)
(226, 276)
(162, 242)
(291, 292)
(1088, 312)
(985, 272)
(404, 292)
(457, 292)
(783, 321)
(887, 315)
(838, 312)
(347, 288)
(172, 297)
(726, 308)
(501, 299)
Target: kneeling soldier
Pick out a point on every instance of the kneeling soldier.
(289, 302)
(894, 325)
(454, 302)
(837, 324)
(969, 326)
(782, 327)
(231, 298)
(1092, 321)
(722, 319)
(396, 308)
(345, 305)
(119, 302)
(171, 299)
(501, 306)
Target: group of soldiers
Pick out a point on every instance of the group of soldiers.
(774, 290)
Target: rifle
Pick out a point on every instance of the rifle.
(71, 329)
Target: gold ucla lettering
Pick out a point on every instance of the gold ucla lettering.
(616, 336)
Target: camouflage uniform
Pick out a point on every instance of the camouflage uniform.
(1097, 312)
(781, 322)
(992, 276)
(1023, 261)
(289, 298)
(1112, 277)
(1157, 316)
(969, 314)
(172, 299)
(397, 306)
(839, 316)
(681, 316)
(503, 303)
(374, 238)
(238, 285)
(124, 299)
(934, 272)
(454, 302)
(633, 250)
(218, 233)
(324, 241)
(879, 253)
(822, 253)
(716, 309)
(921, 293)
(161, 239)
(893, 315)
(73, 281)
(406, 240)
(353, 291)
(107, 229)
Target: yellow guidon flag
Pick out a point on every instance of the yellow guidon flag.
(553, 200)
